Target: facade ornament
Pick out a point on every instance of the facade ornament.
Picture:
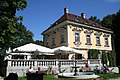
(97, 33)
(106, 35)
(77, 43)
(62, 28)
(77, 29)
(88, 31)
(70, 26)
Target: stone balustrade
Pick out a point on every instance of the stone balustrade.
(20, 66)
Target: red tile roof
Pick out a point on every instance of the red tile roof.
(77, 19)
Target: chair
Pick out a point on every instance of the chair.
(34, 76)
(11, 76)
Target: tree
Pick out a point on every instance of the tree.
(107, 21)
(94, 18)
(38, 42)
(22, 36)
(12, 31)
(116, 25)
(93, 54)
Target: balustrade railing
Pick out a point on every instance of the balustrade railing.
(62, 62)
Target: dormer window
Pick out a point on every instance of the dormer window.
(77, 20)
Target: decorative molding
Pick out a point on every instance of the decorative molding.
(70, 26)
(62, 28)
(47, 35)
(88, 44)
(88, 31)
(77, 29)
(98, 44)
(97, 33)
(106, 46)
(106, 35)
(77, 43)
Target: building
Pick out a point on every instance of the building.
(77, 32)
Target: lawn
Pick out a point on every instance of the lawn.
(52, 77)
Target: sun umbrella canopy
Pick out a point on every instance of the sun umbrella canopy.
(67, 50)
(19, 54)
(33, 47)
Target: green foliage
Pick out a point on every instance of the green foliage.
(108, 21)
(104, 57)
(112, 58)
(93, 54)
(38, 42)
(116, 25)
(12, 32)
(102, 77)
(94, 18)
(109, 76)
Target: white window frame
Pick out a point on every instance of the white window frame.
(106, 41)
(88, 39)
(97, 40)
(77, 37)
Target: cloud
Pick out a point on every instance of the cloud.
(112, 0)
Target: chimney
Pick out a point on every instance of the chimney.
(65, 10)
(83, 15)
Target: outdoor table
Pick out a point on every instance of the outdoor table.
(35, 76)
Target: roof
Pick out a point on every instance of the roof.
(77, 19)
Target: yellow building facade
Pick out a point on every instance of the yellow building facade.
(77, 32)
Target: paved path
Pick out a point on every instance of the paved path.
(1, 78)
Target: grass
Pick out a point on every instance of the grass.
(109, 76)
(103, 76)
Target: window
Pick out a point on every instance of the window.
(62, 37)
(47, 41)
(97, 40)
(77, 37)
(53, 39)
(88, 39)
(106, 41)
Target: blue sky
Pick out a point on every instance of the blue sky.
(40, 14)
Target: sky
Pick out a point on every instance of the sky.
(40, 14)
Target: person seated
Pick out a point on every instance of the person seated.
(86, 68)
(106, 70)
(102, 69)
(30, 69)
(80, 70)
(97, 70)
(38, 71)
